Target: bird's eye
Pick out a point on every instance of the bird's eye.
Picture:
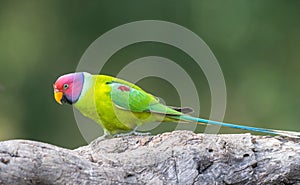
(65, 86)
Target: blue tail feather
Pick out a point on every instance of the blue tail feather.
(263, 130)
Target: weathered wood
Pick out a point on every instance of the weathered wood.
(180, 157)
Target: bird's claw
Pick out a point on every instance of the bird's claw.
(133, 133)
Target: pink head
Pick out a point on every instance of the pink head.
(67, 88)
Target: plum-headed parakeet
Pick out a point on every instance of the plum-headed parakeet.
(120, 106)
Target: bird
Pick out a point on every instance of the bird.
(120, 107)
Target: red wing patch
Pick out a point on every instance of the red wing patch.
(124, 88)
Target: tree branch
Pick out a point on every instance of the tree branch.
(180, 157)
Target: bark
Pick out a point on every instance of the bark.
(180, 157)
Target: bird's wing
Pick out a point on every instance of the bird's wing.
(132, 98)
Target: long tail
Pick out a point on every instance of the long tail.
(264, 130)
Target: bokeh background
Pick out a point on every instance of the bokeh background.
(257, 44)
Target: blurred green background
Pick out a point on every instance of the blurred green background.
(257, 44)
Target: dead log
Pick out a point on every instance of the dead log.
(180, 157)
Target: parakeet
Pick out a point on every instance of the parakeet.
(120, 106)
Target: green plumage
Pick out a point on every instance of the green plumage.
(120, 106)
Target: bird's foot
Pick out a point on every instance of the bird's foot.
(141, 133)
(133, 133)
